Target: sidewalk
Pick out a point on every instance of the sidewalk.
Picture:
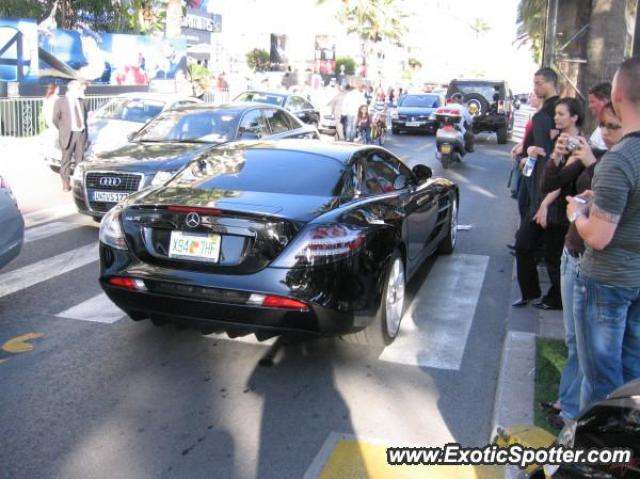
(514, 400)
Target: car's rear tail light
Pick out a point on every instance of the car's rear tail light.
(4, 184)
(128, 283)
(111, 232)
(277, 302)
(323, 244)
(501, 106)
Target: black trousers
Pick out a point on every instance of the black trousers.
(75, 150)
(529, 239)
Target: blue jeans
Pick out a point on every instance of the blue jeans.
(607, 336)
(571, 379)
(350, 130)
(366, 135)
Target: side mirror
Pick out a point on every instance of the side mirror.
(400, 183)
(249, 135)
(422, 172)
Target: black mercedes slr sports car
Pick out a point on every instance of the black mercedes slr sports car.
(279, 236)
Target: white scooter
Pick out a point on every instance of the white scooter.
(450, 141)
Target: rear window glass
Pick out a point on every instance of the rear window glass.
(263, 170)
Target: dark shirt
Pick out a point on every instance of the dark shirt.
(543, 123)
(572, 180)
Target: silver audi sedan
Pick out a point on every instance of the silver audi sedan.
(11, 224)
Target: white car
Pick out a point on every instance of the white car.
(111, 125)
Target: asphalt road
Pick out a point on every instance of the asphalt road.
(88, 393)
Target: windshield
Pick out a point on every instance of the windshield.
(130, 109)
(262, 171)
(419, 101)
(261, 98)
(207, 126)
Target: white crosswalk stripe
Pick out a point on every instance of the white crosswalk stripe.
(39, 217)
(99, 309)
(47, 269)
(435, 327)
(50, 229)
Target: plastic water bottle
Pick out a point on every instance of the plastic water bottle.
(529, 166)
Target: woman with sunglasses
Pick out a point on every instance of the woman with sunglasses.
(574, 176)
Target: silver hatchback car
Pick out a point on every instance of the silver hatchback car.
(11, 224)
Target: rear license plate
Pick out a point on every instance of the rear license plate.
(205, 247)
(108, 196)
(414, 123)
(445, 149)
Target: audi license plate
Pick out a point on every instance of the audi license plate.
(414, 123)
(446, 149)
(108, 196)
(204, 247)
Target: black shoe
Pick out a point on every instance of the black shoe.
(555, 421)
(520, 303)
(549, 407)
(546, 307)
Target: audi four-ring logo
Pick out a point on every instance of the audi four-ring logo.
(192, 220)
(110, 181)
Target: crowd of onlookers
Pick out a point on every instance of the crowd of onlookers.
(578, 197)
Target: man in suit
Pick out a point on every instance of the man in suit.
(70, 118)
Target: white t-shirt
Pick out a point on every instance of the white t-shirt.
(596, 140)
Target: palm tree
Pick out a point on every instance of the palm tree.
(373, 21)
(479, 26)
(531, 19)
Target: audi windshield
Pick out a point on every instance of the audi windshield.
(199, 126)
(419, 101)
(130, 109)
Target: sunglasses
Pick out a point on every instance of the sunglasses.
(610, 126)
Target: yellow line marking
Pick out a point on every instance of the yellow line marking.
(352, 459)
(20, 344)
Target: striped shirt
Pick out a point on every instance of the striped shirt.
(616, 191)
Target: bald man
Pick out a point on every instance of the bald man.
(607, 289)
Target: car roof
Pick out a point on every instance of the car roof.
(340, 151)
(235, 107)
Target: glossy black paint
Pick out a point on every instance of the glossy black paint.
(342, 296)
(145, 159)
(612, 423)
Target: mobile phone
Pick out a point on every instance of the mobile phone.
(581, 200)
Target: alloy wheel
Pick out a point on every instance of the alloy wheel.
(394, 300)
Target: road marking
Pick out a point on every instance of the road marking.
(248, 339)
(344, 456)
(20, 344)
(47, 269)
(50, 229)
(99, 309)
(48, 214)
(436, 326)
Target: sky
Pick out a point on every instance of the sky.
(438, 29)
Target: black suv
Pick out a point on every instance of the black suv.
(489, 102)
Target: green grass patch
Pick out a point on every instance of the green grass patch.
(551, 354)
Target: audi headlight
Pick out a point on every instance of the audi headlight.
(78, 171)
(161, 177)
(111, 232)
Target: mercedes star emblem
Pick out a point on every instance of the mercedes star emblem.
(192, 220)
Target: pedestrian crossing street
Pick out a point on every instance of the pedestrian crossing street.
(434, 330)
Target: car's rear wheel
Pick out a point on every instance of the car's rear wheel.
(503, 135)
(445, 160)
(386, 324)
(448, 244)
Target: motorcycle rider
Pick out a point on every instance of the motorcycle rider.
(457, 99)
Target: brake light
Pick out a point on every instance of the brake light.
(191, 209)
(128, 283)
(322, 244)
(278, 302)
(501, 106)
(448, 128)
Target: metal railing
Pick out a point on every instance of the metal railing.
(23, 116)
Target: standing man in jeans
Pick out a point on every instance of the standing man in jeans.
(607, 288)
(531, 235)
